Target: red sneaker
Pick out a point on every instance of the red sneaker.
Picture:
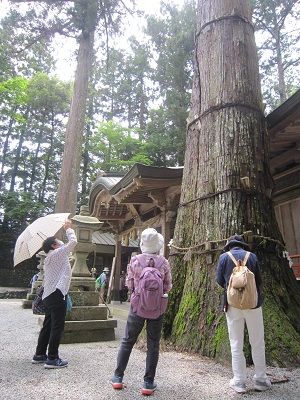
(148, 388)
(116, 382)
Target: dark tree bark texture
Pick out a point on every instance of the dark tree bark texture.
(66, 200)
(227, 189)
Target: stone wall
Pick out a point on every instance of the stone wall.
(19, 276)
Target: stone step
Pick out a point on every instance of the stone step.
(79, 298)
(27, 303)
(82, 313)
(81, 284)
(89, 331)
(84, 298)
(31, 296)
(87, 321)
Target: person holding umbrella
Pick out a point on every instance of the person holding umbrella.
(57, 278)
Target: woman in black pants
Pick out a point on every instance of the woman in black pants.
(57, 278)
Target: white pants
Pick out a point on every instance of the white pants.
(254, 320)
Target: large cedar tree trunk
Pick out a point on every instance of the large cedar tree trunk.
(226, 189)
(66, 200)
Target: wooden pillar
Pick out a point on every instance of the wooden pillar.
(117, 271)
(166, 232)
(167, 237)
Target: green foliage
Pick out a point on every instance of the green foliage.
(14, 90)
(25, 49)
(276, 24)
(31, 153)
(114, 148)
(32, 146)
(49, 94)
(18, 210)
(172, 42)
(124, 86)
(14, 95)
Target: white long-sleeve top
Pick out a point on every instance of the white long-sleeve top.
(57, 269)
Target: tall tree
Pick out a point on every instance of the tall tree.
(87, 19)
(135, 91)
(226, 189)
(32, 114)
(172, 48)
(79, 18)
(25, 50)
(31, 120)
(277, 23)
(14, 100)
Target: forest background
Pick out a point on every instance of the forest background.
(138, 97)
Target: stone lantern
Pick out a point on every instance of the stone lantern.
(84, 225)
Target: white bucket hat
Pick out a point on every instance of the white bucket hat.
(151, 241)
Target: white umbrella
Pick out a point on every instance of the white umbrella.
(31, 239)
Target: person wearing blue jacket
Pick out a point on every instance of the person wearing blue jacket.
(237, 318)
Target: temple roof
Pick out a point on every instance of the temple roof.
(284, 126)
(122, 201)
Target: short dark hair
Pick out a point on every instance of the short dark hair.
(47, 244)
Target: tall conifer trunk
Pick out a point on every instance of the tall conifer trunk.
(66, 200)
(227, 189)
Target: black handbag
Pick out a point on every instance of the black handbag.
(37, 304)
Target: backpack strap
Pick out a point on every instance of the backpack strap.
(143, 261)
(232, 257)
(246, 257)
(159, 262)
(235, 261)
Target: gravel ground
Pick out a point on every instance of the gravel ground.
(91, 365)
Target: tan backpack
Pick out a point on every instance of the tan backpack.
(241, 291)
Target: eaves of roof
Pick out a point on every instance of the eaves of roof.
(146, 171)
(103, 183)
(285, 110)
(108, 239)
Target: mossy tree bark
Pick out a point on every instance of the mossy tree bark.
(226, 189)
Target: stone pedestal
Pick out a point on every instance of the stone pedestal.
(87, 321)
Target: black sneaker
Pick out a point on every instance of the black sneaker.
(149, 388)
(56, 363)
(116, 382)
(38, 359)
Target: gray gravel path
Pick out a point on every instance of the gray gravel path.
(91, 365)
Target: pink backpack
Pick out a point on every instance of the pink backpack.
(148, 299)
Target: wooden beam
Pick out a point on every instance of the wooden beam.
(159, 198)
(111, 217)
(285, 158)
(133, 212)
(156, 183)
(125, 192)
